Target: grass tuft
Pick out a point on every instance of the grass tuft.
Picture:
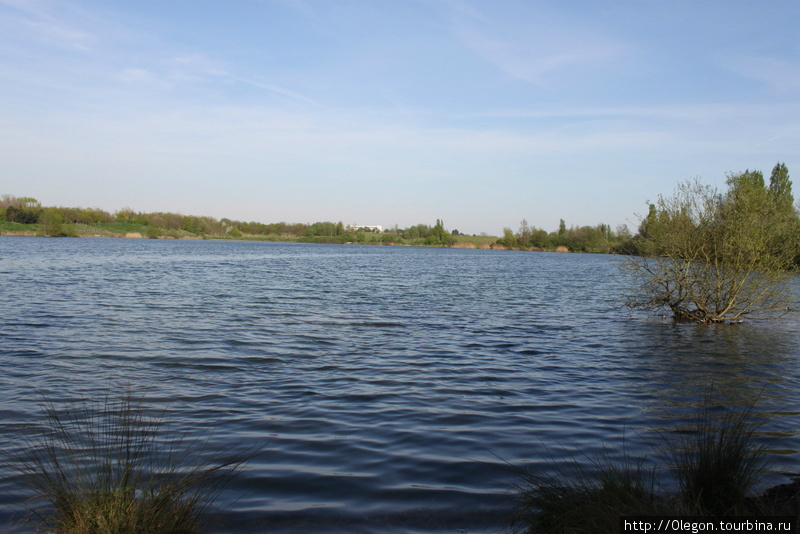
(109, 465)
(586, 499)
(715, 463)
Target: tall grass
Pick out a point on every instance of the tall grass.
(715, 463)
(586, 499)
(109, 465)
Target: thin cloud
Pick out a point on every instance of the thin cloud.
(779, 74)
(699, 112)
(276, 89)
(46, 25)
(537, 61)
(538, 50)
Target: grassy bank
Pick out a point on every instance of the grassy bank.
(144, 231)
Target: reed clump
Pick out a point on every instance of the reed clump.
(714, 463)
(109, 465)
(717, 462)
(586, 499)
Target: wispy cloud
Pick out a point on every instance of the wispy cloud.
(538, 60)
(275, 89)
(66, 51)
(689, 113)
(779, 74)
(47, 25)
(538, 47)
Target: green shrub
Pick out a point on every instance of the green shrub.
(51, 223)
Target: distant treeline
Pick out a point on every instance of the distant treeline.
(61, 221)
(598, 238)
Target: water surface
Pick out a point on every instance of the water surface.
(391, 387)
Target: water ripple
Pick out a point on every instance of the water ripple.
(391, 387)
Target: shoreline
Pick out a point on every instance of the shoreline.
(465, 244)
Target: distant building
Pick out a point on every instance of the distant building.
(357, 227)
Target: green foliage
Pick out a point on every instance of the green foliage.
(22, 215)
(652, 214)
(193, 225)
(508, 240)
(52, 223)
(127, 215)
(159, 224)
(29, 202)
(710, 257)
(88, 216)
(324, 229)
(439, 236)
(598, 238)
(780, 189)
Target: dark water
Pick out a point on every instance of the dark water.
(392, 388)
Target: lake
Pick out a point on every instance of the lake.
(391, 388)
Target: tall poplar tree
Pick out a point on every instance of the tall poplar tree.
(780, 189)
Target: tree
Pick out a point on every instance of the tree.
(52, 223)
(525, 233)
(710, 257)
(439, 236)
(651, 216)
(509, 239)
(780, 189)
(23, 215)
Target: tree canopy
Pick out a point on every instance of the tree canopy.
(713, 257)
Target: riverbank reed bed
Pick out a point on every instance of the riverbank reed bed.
(714, 462)
(111, 465)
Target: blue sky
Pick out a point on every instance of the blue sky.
(392, 112)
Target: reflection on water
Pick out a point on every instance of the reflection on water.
(389, 385)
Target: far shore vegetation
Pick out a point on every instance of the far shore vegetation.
(26, 216)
